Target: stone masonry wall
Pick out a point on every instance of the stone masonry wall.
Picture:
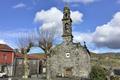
(77, 59)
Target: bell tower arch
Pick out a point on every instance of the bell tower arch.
(67, 25)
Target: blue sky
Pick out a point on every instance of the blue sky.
(95, 21)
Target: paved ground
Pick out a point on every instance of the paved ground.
(38, 79)
(21, 79)
(35, 77)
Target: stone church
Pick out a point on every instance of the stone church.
(68, 59)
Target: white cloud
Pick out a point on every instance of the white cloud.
(20, 5)
(52, 18)
(108, 35)
(81, 37)
(13, 34)
(80, 1)
(2, 42)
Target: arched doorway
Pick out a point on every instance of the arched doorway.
(68, 72)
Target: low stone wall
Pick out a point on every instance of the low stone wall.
(19, 67)
(115, 78)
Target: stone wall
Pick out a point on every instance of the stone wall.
(69, 60)
(19, 67)
(7, 69)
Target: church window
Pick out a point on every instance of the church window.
(67, 55)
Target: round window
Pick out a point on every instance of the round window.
(67, 55)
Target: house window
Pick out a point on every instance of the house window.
(20, 61)
(44, 70)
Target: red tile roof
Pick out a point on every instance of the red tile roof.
(37, 56)
(5, 47)
(31, 56)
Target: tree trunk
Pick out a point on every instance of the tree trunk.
(48, 67)
(26, 67)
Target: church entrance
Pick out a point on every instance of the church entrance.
(68, 72)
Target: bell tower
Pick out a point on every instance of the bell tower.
(67, 25)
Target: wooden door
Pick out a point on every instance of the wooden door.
(68, 72)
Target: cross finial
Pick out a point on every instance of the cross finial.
(84, 44)
(66, 4)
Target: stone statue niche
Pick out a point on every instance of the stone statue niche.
(67, 25)
(68, 29)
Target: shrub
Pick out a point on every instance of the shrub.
(98, 73)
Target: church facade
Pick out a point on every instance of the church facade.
(68, 59)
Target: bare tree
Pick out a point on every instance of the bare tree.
(46, 39)
(24, 43)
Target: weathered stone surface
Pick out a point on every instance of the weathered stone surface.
(73, 57)
(68, 60)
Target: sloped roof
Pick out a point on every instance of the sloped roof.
(5, 47)
(31, 56)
